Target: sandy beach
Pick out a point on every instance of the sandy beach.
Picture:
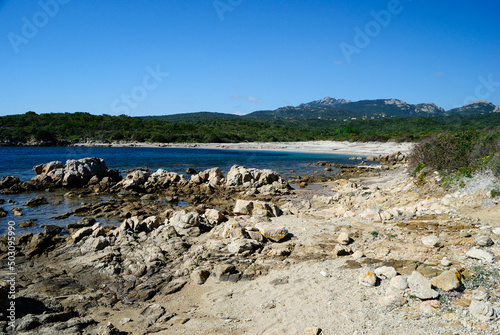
(329, 147)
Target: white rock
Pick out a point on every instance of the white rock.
(432, 241)
(367, 278)
(399, 282)
(481, 310)
(480, 254)
(391, 299)
(386, 272)
(496, 231)
(325, 274)
(241, 245)
(483, 240)
(343, 238)
(357, 255)
(421, 286)
(81, 233)
(446, 262)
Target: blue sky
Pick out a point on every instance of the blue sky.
(237, 56)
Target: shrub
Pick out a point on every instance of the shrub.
(461, 152)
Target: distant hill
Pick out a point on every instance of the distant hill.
(475, 108)
(340, 109)
(337, 110)
(194, 117)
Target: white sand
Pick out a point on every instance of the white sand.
(329, 147)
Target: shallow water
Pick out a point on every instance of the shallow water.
(19, 161)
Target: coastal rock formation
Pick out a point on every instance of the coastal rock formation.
(75, 173)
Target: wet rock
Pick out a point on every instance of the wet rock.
(17, 211)
(386, 272)
(51, 229)
(39, 243)
(9, 181)
(481, 310)
(3, 213)
(27, 224)
(367, 278)
(480, 254)
(421, 286)
(432, 242)
(36, 201)
(84, 222)
(448, 280)
(191, 171)
(483, 241)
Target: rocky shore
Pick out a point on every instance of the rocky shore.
(366, 251)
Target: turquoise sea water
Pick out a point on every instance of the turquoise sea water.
(19, 161)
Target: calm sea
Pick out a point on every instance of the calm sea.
(19, 161)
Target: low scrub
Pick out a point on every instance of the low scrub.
(459, 153)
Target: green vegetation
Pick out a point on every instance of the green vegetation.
(458, 154)
(218, 127)
(482, 276)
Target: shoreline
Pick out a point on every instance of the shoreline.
(326, 147)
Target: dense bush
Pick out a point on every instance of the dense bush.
(463, 152)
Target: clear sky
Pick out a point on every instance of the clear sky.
(156, 57)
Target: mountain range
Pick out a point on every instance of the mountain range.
(343, 110)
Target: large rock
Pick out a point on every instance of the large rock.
(240, 245)
(186, 223)
(480, 254)
(133, 181)
(367, 278)
(256, 208)
(242, 177)
(482, 310)
(36, 201)
(448, 280)
(271, 231)
(483, 240)
(432, 242)
(76, 173)
(421, 286)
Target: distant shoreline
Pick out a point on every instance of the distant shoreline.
(327, 147)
